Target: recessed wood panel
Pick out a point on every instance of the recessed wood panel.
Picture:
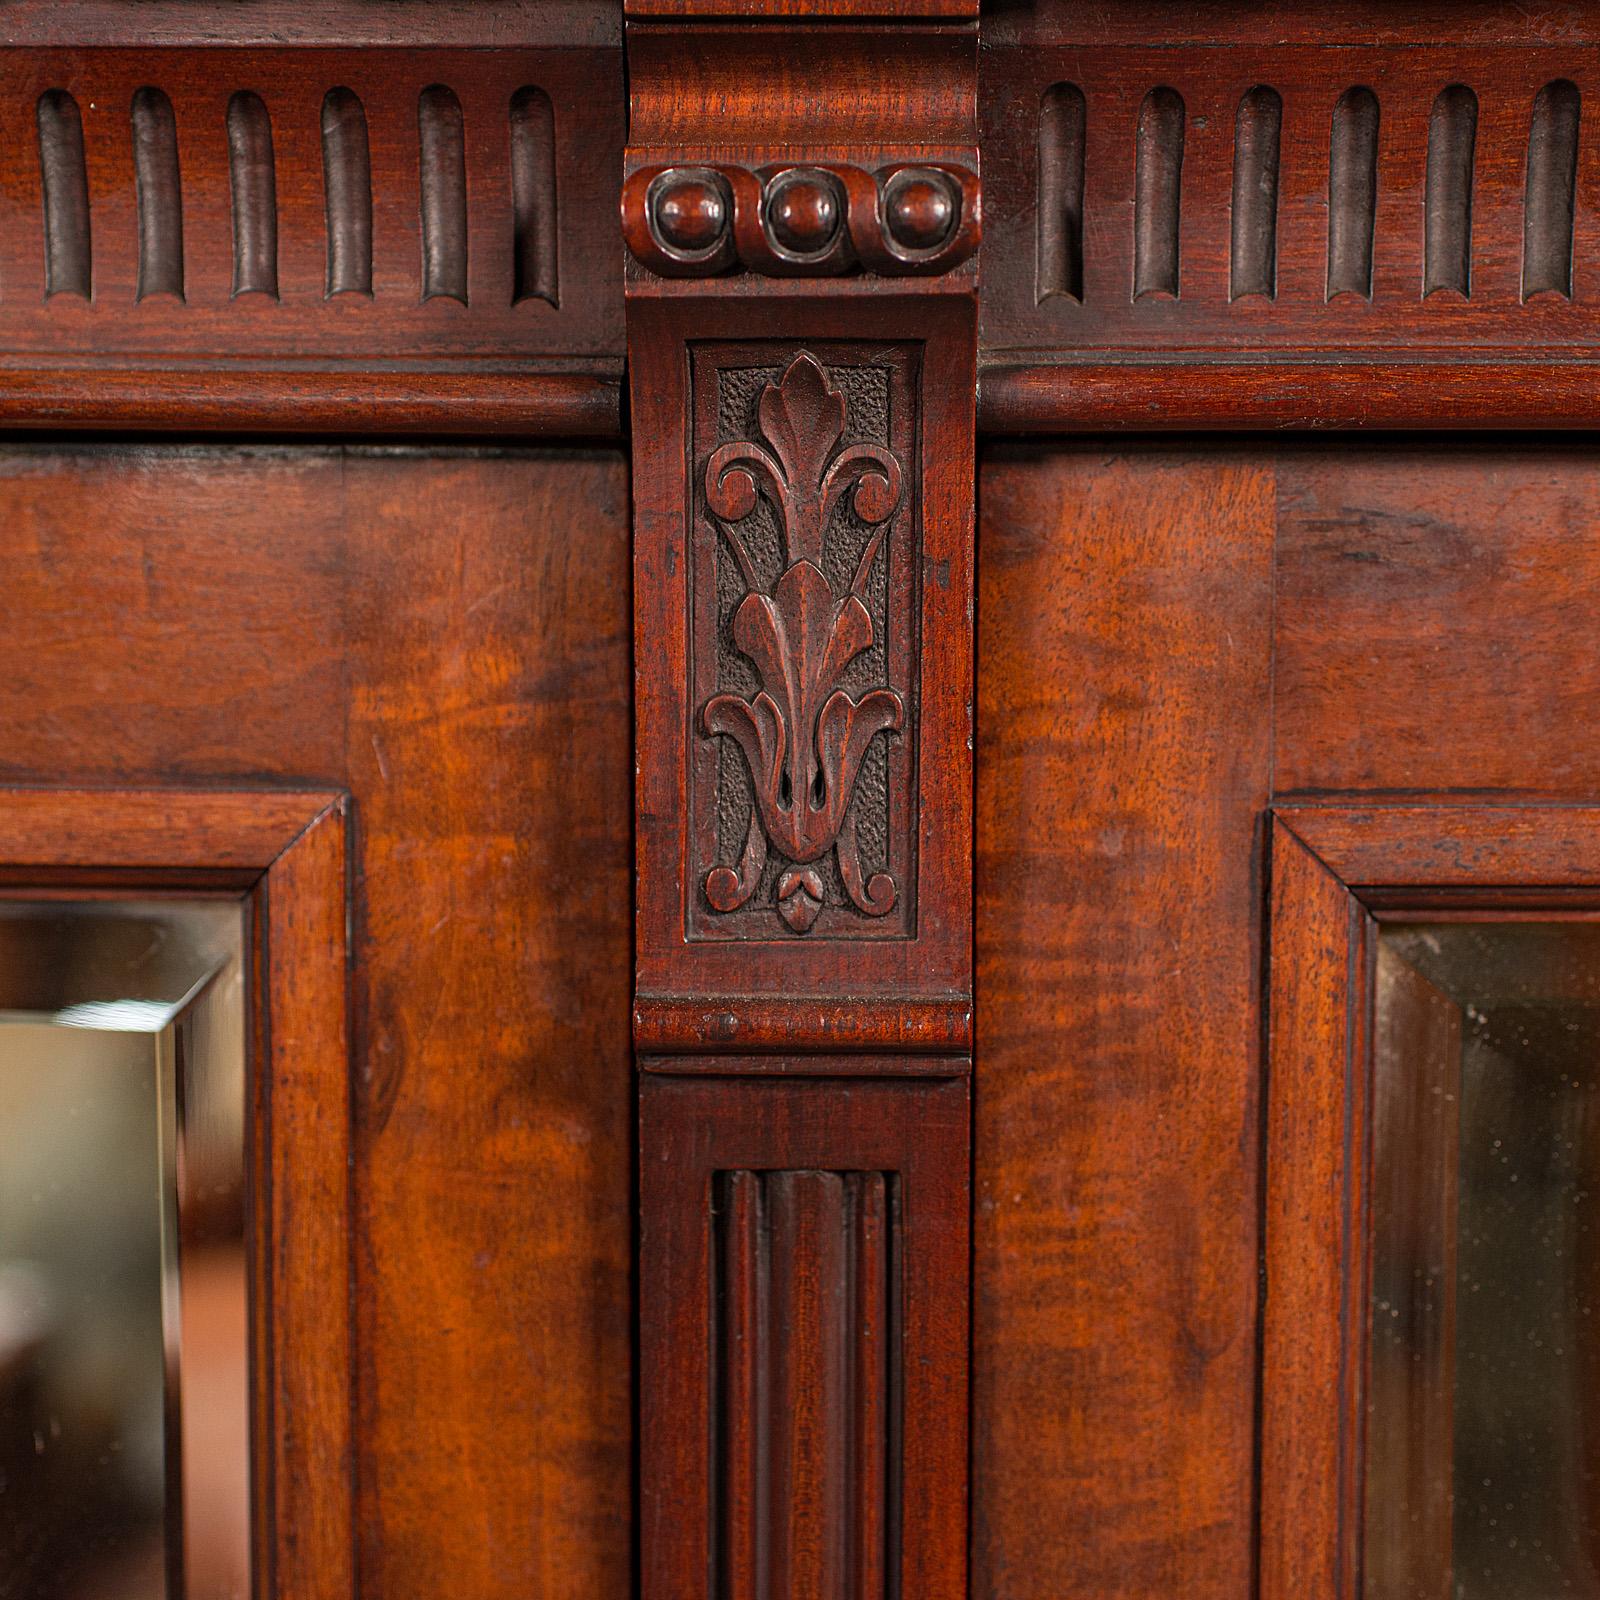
(803, 1333)
(439, 634)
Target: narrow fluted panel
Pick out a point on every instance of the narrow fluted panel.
(1452, 141)
(807, 1385)
(347, 192)
(875, 1497)
(67, 253)
(533, 197)
(1257, 135)
(746, 1399)
(1158, 189)
(159, 193)
(1352, 193)
(255, 196)
(1550, 199)
(444, 194)
(1063, 122)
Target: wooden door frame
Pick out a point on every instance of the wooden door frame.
(1335, 869)
(285, 854)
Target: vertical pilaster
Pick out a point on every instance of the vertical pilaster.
(802, 210)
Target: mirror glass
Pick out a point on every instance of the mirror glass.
(124, 1332)
(1483, 1378)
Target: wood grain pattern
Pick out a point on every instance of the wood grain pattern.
(1123, 720)
(1314, 1305)
(437, 632)
(1417, 592)
(695, 88)
(305, 1307)
(1461, 846)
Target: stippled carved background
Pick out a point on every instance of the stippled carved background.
(878, 386)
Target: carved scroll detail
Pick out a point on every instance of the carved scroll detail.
(803, 735)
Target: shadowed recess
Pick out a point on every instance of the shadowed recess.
(159, 191)
(533, 196)
(1063, 121)
(1157, 190)
(1258, 131)
(255, 199)
(809, 1377)
(1548, 204)
(1352, 193)
(1452, 137)
(66, 195)
(347, 188)
(444, 194)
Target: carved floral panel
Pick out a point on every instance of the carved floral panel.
(803, 695)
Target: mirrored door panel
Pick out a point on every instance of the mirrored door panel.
(1483, 1427)
(124, 1343)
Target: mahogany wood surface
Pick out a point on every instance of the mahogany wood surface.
(1124, 716)
(1411, 274)
(269, 232)
(1318, 1201)
(1316, 1113)
(837, 1425)
(437, 633)
(826, 242)
(293, 847)
(1385, 637)
(802, 343)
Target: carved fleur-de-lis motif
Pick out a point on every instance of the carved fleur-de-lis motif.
(803, 736)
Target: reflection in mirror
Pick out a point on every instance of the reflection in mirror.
(124, 1390)
(1483, 1379)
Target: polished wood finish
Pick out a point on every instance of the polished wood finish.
(1124, 758)
(802, 364)
(1172, 216)
(1318, 1208)
(688, 957)
(835, 1409)
(436, 633)
(1172, 636)
(1432, 267)
(289, 852)
(267, 236)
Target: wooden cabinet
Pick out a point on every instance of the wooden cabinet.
(841, 657)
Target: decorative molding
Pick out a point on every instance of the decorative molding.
(802, 677)
(1280, 233)
(153, 134)
(1444, 159)
(803, 475)
(263, 216)
(803, 734)
(813, 220)
(803, 1352)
